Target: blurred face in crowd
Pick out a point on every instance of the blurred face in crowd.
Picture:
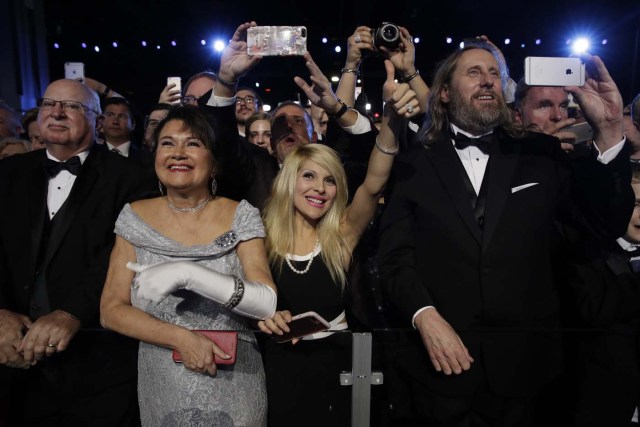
(246, 105)
(9, 127)
(633, 230)
(260, 134)
(118, 123)
(12, 149)
(71, 127)
(197, 88)
(290, 128)
(34, 136)
(474, 94)
(154, 118)
(543, 107)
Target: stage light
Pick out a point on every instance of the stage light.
(461, 45)
(538, 41)
(604, 41)
(56, 46)
(507, 41)
(257, 84)
(338, 49)
(203, 42)
(367, 106)
(218, 46)
(84, 45)
(358, 81)
(114, 44)
(144, 43)
(522, 45)
(173, 43)
(449, 40)
(324, 40)
(416, 40)
(266, 108)
(335, 79)
(580, 45)
(158, 47)
(96, 48)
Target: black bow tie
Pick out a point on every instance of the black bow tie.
(462, 141)
(53, 167)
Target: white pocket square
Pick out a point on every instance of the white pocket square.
(522, 187)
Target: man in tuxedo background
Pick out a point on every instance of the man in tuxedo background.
(56, 233)
(466, 240)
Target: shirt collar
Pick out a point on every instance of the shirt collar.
(626, 245)
(83, 156)
(457, 130)
(123, 148)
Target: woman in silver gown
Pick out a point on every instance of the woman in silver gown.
(201, 264)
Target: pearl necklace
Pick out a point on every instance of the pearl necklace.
(197, 207)
(306, 269)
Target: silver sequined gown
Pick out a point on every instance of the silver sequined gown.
(169, 394)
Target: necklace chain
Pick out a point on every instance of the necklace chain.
(197, 207)
(306, 269)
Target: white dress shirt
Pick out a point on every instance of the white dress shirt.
(60, 186)
(122, 148)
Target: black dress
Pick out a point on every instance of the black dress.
(303, 385)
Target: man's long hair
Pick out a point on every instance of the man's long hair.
(436, 123)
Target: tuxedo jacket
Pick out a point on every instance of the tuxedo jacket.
(76, 259)
(494, 285)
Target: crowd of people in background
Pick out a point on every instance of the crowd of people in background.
(500, 247)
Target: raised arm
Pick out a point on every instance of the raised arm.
(400, 103)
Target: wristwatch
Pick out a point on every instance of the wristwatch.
(343, 109)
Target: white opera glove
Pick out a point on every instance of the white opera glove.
(249, 299)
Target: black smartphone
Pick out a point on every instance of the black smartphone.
(303, 324)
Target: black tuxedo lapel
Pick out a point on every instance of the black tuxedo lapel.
(36, 189)
(81, 189)
(446, 162)
(503, 162)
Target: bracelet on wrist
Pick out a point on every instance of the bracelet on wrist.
(341, 112)
(384, 150)
(407, 79)
(105, 92)
(350, 71)
(227, 83)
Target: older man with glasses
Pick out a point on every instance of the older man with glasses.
(57, 366)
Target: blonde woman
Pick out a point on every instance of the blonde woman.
(311, 234)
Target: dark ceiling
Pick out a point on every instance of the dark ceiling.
(140, 72)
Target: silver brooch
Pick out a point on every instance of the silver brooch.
(227, 239)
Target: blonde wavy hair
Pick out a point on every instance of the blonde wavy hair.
(279, 212)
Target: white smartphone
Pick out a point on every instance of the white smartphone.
(277, 40)
(548, 71)
(303, 324)
(178, 86)
(74, 71)
(582, 131)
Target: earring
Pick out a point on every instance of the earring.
(214, 187)
(160, 187)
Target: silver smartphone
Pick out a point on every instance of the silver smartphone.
(548, 71)
(74, 71)
(582, 131)
(277, 40)
(178, 86)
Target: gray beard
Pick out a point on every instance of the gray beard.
(476, 121)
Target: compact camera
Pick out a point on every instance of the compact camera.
(387, 35)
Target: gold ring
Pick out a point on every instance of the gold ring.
(52, 345)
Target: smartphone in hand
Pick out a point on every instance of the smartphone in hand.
(178, 86)
(548, 71)
(303, 324)
(277, 40)
(582, 131)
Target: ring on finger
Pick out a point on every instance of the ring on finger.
(357, 38)
(409, 108)
(52, 345)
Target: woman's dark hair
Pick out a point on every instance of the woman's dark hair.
(193, 121)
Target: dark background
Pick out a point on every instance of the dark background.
(140, 72)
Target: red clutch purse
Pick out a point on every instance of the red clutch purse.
(226, 340)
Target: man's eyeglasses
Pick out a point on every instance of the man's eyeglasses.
(190, 100)
(66, 105)
(247, 100)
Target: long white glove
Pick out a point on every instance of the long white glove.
(155, 282)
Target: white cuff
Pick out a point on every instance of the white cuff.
(220, 101)
(413, 319)
(362, 125)
(611, 153)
